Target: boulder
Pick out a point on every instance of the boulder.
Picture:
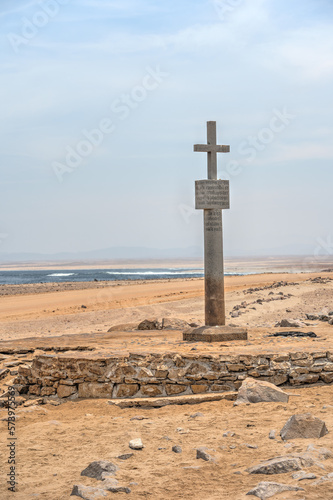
(149, 324)
(100, 470)
(303, 426)
(290, 323)
(123, 327)
(282, 465)
(257, 391)
(174, 324)
(88, 492)
(266, 489)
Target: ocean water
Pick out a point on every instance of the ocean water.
(75, 275)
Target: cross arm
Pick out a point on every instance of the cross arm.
(207, 148)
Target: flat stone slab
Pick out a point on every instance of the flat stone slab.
(215, 334)
(176, 400)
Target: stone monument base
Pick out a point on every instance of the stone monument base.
(215, 334)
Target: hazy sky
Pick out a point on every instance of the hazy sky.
(102, 101)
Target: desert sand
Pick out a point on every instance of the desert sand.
(55, 443)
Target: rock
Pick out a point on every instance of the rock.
(151, 390)
(323, 479)
(83, 306)
(177, 449)
(149, 324)
(123, 327)
(47, 391)
(303, 426)
(266, 489)
(64, 391)
(197, 414)
(272, 434)
(201, 453)
(95, 390)
(303, 475)
(3, 373)
(293, 323)
(330, 321)
(327, 377)
(293, 333)
(312, 317)
(182, 431)
(88, 492)
(234, 314)
(33, 402)
(100, 470)
(174, 324)
(126, 456)
(175, 389)
(320, 453)
(199, 388)
(282, 465)
(257, 391)
(136, 444)
(112, 486)
(126, 390)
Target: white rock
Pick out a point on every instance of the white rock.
(136, 444)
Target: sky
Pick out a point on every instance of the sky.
(102, 101)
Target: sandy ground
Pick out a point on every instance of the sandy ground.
(55, 443)
(50, 312)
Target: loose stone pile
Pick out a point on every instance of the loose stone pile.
(155, 375)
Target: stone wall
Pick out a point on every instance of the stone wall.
(151, 375)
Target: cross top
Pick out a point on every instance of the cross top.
(211, 148)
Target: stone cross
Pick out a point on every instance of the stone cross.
(212, 195)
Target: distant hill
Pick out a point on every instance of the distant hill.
(144, 253)
(115, 253)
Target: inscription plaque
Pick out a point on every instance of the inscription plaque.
(211, 194)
